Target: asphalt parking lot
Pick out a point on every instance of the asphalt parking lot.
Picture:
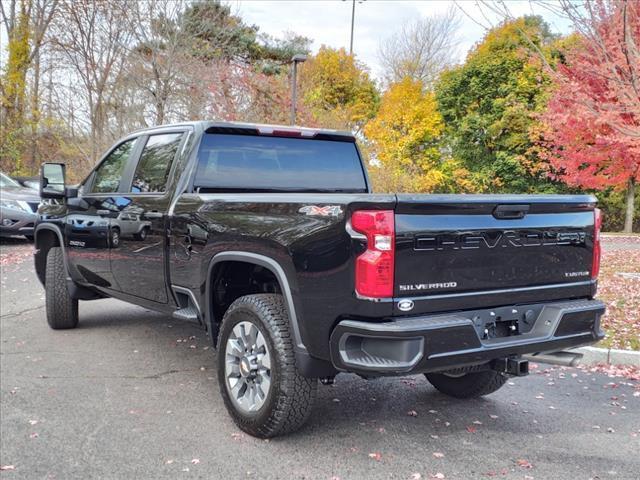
(133, 394)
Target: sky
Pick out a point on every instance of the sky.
(328, 22)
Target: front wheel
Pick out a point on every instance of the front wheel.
(262, 389)
(467, 385)
(62, 310)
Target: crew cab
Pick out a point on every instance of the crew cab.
(271, 239)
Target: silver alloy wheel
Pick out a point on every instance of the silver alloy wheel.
(247, 367)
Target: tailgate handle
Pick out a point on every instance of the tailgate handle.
(504, 212)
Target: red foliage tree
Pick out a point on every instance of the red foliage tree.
(592, 134)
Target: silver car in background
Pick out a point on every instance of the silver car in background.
(18, 207)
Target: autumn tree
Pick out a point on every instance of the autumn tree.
(490, 103)
(338, 89)
(592, 124)
(25, 23)
(405, 138)
(420, 49)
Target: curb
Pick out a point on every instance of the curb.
(609, 356)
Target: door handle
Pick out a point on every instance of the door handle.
(153, 214)
(103, 213)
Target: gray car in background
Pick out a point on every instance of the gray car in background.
(18, 207)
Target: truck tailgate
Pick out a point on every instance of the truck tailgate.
(454, 245)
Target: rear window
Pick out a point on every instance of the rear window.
(247, 162)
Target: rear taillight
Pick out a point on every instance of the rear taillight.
(374, 267)
(597, 225)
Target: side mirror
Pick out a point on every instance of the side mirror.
(52, 180)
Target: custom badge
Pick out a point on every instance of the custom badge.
(326, 211)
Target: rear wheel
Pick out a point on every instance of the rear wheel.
(467, 385)
(62, 310)
(143, 234)
(262, 389)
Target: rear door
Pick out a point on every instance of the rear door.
(138, 257)
(466, 251)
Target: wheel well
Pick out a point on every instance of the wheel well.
(44, 241)
(233, 279)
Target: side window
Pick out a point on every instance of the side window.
(108, 175)
(155, 162)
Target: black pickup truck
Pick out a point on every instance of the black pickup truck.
(270, 238)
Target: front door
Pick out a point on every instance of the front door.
(87, 226)
(138, 259)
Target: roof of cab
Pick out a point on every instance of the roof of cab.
(262, 128)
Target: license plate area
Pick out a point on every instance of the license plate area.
(503, 322)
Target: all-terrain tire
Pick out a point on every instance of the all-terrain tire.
(62, 310)
(468, 385)
(290, 397)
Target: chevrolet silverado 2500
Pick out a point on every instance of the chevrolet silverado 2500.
(270, 238)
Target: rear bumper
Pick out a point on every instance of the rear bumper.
(447, 341)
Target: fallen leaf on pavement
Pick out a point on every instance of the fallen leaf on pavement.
(471, 429)
(438, 454)
(7, 467)
(523, 463)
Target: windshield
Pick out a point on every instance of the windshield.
(264, 163)
(7, 182)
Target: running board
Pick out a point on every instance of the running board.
(188, 314)
(189, 310)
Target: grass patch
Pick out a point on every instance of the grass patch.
(621, 322)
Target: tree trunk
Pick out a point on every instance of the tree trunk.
(35, 114)
(631, 195)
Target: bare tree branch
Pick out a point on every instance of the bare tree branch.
(421, 49)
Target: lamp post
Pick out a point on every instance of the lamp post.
(297, 58)
(353, 15)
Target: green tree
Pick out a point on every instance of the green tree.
(338, 89)
(490, 104)
(217, 33)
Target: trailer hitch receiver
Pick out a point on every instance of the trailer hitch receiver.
(517, 367)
